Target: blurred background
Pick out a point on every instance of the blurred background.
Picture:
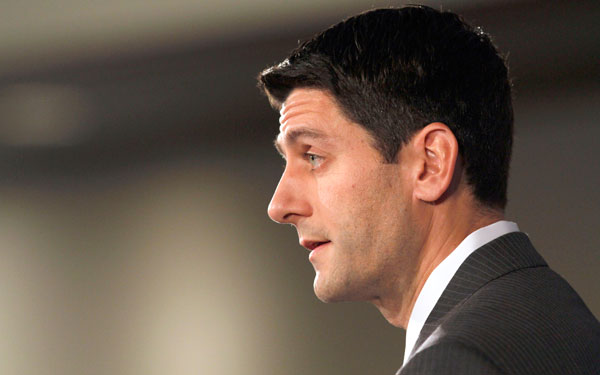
(136, 165)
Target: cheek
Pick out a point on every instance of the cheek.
(349, 197)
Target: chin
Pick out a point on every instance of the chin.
(326, 292)
(322, 292)
(327, 297)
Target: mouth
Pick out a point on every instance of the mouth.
(313, 245)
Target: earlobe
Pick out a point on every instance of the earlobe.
(437, 152)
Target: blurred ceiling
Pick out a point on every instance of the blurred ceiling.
(87, 85)
(34, 33)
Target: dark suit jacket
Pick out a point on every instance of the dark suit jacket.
(506, 312)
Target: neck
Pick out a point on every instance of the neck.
(443, 231)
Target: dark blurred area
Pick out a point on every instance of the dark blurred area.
(137, 164)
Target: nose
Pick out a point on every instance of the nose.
(289, 203)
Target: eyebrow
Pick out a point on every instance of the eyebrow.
(293, 135)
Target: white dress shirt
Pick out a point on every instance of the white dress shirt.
(440, 277)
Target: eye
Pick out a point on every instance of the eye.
(314, 160)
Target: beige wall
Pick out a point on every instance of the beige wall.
(173, 267)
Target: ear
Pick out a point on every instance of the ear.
(436, 150)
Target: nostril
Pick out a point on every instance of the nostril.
(277, 212)
(288, 203)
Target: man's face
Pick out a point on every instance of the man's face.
(350, 208)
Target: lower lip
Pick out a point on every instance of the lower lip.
(317, 250)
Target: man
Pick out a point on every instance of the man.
(396, 128)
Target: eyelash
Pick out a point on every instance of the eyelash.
(307, 157)
(312, 158)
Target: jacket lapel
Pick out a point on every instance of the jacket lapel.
(505, 254)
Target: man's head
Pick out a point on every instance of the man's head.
(393, 71)
(394, 125)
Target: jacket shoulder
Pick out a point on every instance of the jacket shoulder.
(450, 357)
(528, 321)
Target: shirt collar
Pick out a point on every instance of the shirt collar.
(440, 277)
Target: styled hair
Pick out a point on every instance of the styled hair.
(394, 71)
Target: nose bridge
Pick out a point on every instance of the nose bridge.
(288, 203)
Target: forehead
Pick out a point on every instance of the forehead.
(312, 117)
(310, 104)
(308, 114)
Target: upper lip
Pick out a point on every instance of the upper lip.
(312, 244)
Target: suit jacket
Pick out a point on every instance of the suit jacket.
(506, 312)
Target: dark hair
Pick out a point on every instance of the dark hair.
(394, 71)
